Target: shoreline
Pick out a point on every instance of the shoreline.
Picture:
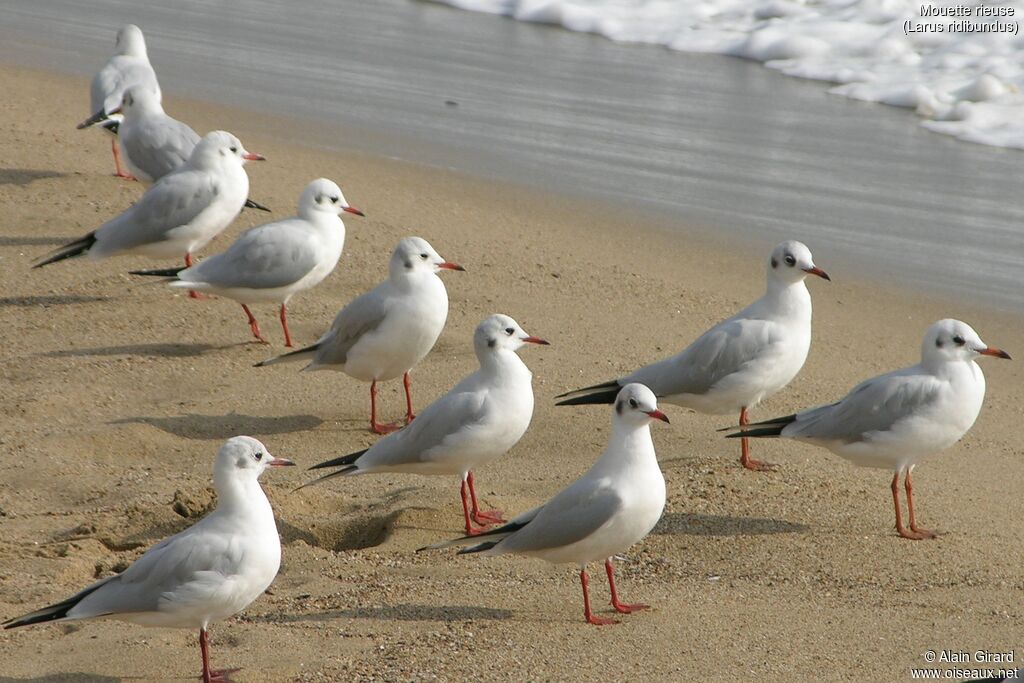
(119, 392)
(719, 142)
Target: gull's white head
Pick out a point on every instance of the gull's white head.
(415, 255)
(244, 456)
(499, 332)
(952, 340)
(323, 196)
(138, 99)
(637, 405)
(791, 262)
(130, 41)
(220, 146)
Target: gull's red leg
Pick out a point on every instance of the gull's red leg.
(409, 415)
(117, 161)
(923, 533)
(900, 529)
(745, 459)
(482, 517)
(284, 324)
(376, 427)
(587, 614)
(619, 606)
(470, 529)
(192, 294)
(253, 325)
(212, 675)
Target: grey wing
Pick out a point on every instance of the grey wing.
(159, 149)
(268, 256)
(444, 422)
(571, 516)
(163, 570)
(873, 406)
(362, 315)
(716, 354)
(175, 200)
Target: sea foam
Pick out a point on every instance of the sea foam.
(959, 65)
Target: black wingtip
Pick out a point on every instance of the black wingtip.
(250, 204)
(613, 384)
(69, 250)
(158, 272)
(479, 548)
(598, 397)
(343, 460)
(101, 115)
(755, 433)
(55, 611)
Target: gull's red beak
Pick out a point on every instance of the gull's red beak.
(658, 415)
(448, 265)
(251, 156)
(819, 272)
(352, 209)
(535, 340)
(280, 462)
(993, 351)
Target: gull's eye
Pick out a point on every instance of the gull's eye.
(258, 455)
(633, 403)
(510, 331)
(234, 150)
(334, 200)
(790, 260)
(958, 340)
(424, 257)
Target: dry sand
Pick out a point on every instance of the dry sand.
(117, 393)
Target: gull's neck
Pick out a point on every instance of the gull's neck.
(787, 298)
(951, 369)
(404, 281)
(630, 448)
(241, 494)
(503, 365)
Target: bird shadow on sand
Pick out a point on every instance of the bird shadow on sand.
(147, 350)
(401, 613)
(52, 300)
(209, 427)
(24, 176)
(681, 523)
(30, 242)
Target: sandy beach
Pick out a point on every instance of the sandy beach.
(117, 393)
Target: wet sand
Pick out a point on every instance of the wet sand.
(118, 392)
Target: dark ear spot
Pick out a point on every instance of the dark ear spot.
(619, 407)
(491, 342)
(319, 199)
(938, 343)
(408, 264)
(775, 264)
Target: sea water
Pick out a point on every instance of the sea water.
(714, 142)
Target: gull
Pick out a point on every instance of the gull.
(128, 67)
(180, 213)
(611, 507)
(153, 143)
(894, 420)
(479, 420)
(382, 334)
(274, 261)
(207, 573)
(740, 361)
